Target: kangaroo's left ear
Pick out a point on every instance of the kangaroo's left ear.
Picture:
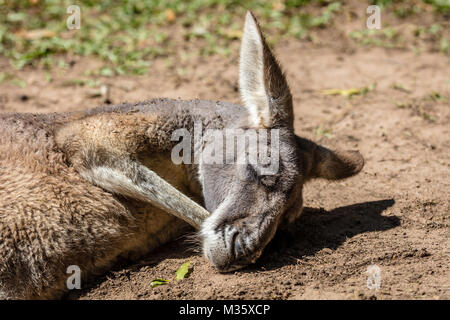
(264, 90)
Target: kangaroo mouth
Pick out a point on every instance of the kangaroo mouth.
(233, 246)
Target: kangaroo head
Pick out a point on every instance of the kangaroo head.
(247, 203)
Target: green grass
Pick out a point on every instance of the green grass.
(407, 7)
(127, 35)
(396, 36)
(386, 37)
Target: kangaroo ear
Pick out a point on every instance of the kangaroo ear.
(264, 90)
(335, 165)
(320, 162)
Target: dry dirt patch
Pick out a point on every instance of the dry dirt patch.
(395, 214)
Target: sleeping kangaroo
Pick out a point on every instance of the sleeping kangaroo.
(89, 187)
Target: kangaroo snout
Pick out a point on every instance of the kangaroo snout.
(232, 247)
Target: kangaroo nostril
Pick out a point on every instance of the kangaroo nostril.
(233, 245)
(239, 252)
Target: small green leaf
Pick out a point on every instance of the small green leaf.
(350, 92)
(158, 282)
(346, 92)
(183, 271)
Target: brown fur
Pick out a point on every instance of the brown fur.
(51, 218)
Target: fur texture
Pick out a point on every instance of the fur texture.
(87, 188)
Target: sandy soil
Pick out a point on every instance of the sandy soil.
(394, 214)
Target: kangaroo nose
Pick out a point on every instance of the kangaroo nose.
(219, 248)
(219, 257)
(229, 251)
(234, 244)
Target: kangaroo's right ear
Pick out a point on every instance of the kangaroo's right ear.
(320, 162)
(264, 90)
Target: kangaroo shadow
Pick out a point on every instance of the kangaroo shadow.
(317, 229)
(314, 230)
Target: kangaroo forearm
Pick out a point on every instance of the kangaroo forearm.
(103, 149)
(131, 179)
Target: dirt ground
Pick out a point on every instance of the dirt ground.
(395, 214)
